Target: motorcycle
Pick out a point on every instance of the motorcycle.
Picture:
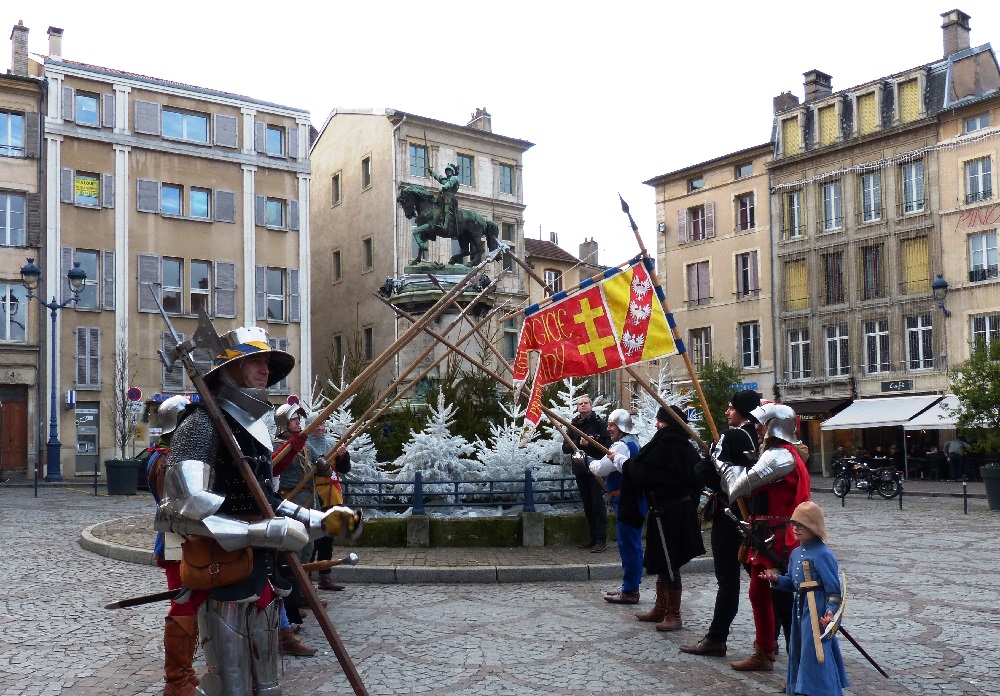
(852, 473)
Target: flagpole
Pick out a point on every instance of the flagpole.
(673, 327)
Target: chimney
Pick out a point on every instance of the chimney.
(19, 49)
(588, 251)
(481, 119)
(554, 238)
(956, 31)
(817, 85)
(55, 42)
(784, 101)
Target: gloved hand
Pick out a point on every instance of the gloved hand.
(342, 522)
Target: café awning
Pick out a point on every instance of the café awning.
(879, 413)
(937, 417)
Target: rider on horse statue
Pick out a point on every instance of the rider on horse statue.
(448, 196)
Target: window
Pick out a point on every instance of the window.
(979, 180)
(913, 187)
(510, 339)
(792, 215)
(368, 343)
(89, 264)
(828, 126)
(871, 197)
(366, 173)
(985, 329)
(171, 199)
(833, 215)
(184, 126)
(418, 161)
(977, 123)
(281, 386)
(700, 345)
(336, 268)
(201, 283)
(507, 231)
(838, 358)
(699, 283)
(877, 346)
(790, 141)
(916, 267)
(744, 170)
(275, 294)
(796, 285)
(746, 275)
(799, 360)
(11, 219)
(919, 343)
(507, 179)
(199, 205)
(909, 101)
(982, 256)
(86, 190)
(367, 255)
(749, 344)
(337, 355)
(745, 212)
(868, 118)
(335, 188)
(872, 272)
(553, 279)
(697, 218)
(275, 212)
(13, 312)
(696, 184)
(88, 357)
(833, 278)
(466, 166)
(274, 141)
(172, 295)
(87, 109)
(11, 134)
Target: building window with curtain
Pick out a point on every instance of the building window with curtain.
(979, 180)
(553, 279)
(13, 312)
(746, 275)
(749, 334)
(833, 214)
(877, 346)
(919, 342)
(700, 341)
(871, 197)
(799, 358)
(982, 256)
(12, 206)
(872, 259)
(792, 216)
(912, 175)
(833, 278)
(916, 267)
(745, 214)
(838, 358)
(796, 285)
(985, 329)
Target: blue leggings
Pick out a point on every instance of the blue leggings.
(630, 549)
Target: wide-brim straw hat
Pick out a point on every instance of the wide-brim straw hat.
(810, 515)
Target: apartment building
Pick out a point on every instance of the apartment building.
(195, 196)
(361, 237)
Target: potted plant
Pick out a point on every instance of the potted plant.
(122, 472)
(976, 384)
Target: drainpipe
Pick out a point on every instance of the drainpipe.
(395, 234)
(42, 178)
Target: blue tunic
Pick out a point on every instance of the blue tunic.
(805, 674)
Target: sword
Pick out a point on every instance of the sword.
(810, 586)
(663, 541)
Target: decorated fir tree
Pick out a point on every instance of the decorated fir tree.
(645, 408)
(501, 455)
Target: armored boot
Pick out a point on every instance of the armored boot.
(264, 654)
(659, 609)
(672, 613)
(760, 661)
(180, 639)
(225, 638)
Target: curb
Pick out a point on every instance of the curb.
(128, 554)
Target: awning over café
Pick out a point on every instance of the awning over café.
(937, 417)
(879, 413)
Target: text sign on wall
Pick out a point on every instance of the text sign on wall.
(899, 385)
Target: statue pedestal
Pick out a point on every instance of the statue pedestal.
(436, 269)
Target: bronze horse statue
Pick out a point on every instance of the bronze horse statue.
(422, 206)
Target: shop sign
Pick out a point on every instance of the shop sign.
(899, 385)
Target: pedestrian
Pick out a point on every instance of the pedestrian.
(663, 473)
(812, 570)
(625, 446)
(955, 449)
(737, 447)
(230, 549)
(776, 483)
(591, 492)
(328, 489)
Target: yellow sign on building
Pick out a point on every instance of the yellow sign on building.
(87, 187)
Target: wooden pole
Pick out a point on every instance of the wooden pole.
(549, 298)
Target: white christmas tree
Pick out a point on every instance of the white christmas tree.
(501, 455)
(646, 408)
(564, 405)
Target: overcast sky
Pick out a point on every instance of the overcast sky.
(612, 94)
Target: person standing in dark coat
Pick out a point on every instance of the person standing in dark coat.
(663, 473)
(594, 509)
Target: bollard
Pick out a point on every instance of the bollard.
(965, 493)
(529, 494)
(418, 495)
(95, 480)
(900, 493)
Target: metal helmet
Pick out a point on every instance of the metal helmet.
(623, 420)
(286, 413)
(168, 412)
(779, 420)
(243, 342)
(452, 167)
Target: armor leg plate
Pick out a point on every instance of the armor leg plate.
(264, 655)
(225, 636)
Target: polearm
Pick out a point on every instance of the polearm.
(183, 349)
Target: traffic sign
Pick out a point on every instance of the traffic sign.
(136, 407)
(134, 394)
(292, 400)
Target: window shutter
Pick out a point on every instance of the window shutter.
(33, 219)
(226, 130)
(260, 293)
(172, 381)
(704, 282)
(32, 136)
(225, 289)
(68, 104)
(225, 206)
(293, 215)
(108, 273)
(203, 359)
(108, 190)
(281, 387)
(692, 279)
(65, 263)
(259, 136)
(294, 308)
(94, 356)
(149, 272)
(66, 186)
(147, 196)
(740, 290)
(709, 219)
(108, 112)
(260, 210)
(82, 333)
(147, 117)
(754, 272)
(293, 142)
(682, 226)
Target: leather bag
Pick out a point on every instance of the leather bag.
(206, 566)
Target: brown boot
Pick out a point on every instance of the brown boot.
(327, 583)
(705, 647)
(659, 609)
(760, 661)
(672, 615)
(289, 644)
(180, 639)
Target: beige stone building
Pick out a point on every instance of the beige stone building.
(361, 237)
(199, 194)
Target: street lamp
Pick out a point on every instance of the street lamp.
(76, 277)
(940, 289)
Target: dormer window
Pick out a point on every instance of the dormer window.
(791, 143)
(696, 184)
(868, 116)
(977, 123)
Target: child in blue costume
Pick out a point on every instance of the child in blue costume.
(806, 675)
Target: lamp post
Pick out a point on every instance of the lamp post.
(940, 289)
(76, 277)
